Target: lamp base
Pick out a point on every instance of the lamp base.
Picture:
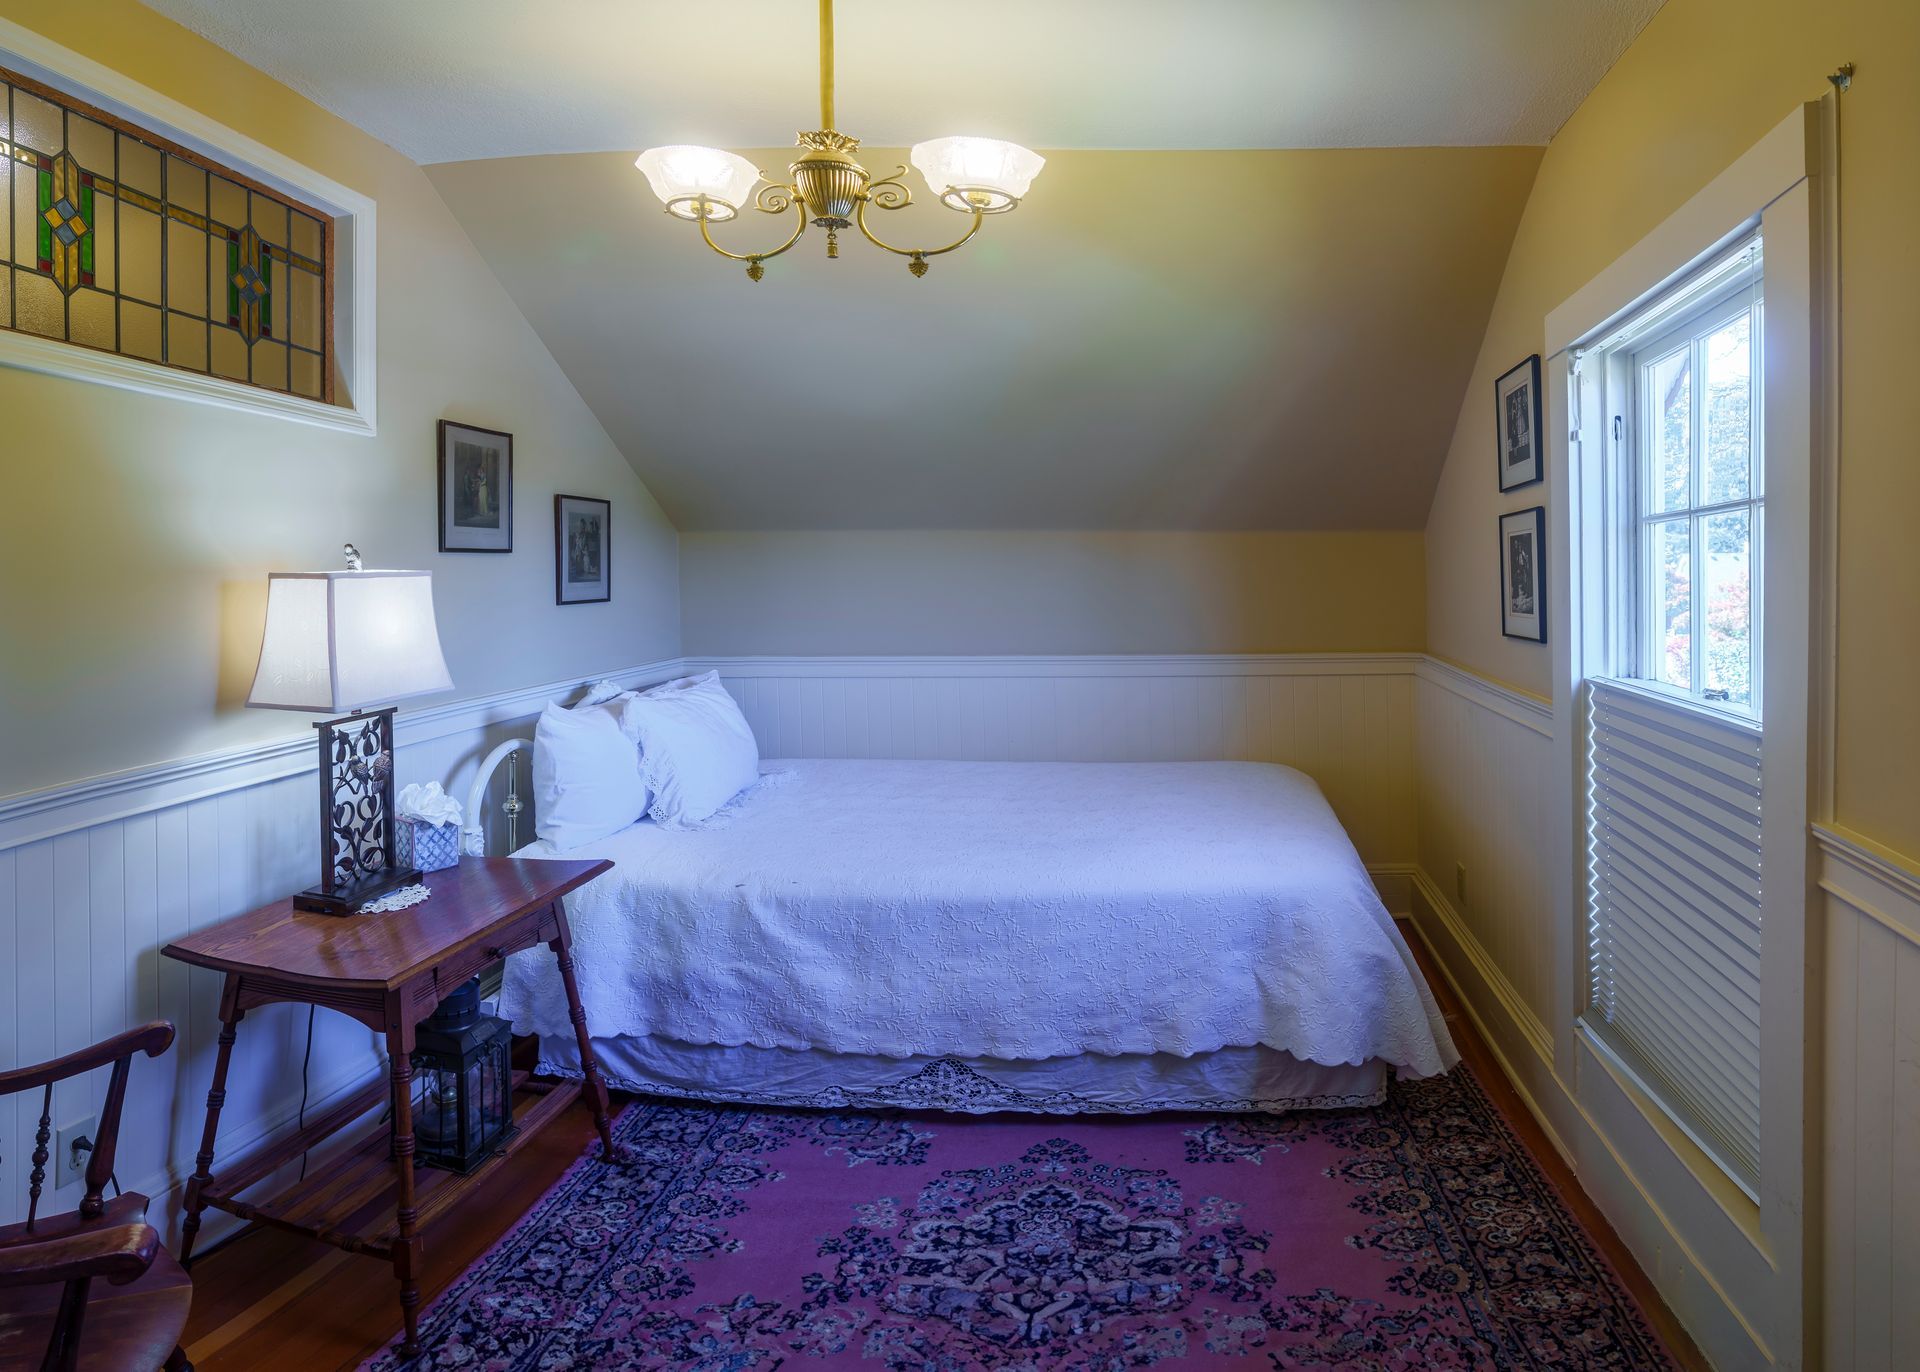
(347, 900)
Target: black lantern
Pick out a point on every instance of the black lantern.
(462, 1083)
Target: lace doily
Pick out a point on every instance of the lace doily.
(396, 900)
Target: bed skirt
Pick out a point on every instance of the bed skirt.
(1241, 1080)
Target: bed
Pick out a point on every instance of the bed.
(984, 936)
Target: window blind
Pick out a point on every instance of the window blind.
(1674, 908)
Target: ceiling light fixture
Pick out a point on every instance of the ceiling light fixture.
(830, 189)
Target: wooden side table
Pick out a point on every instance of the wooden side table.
(388, 971)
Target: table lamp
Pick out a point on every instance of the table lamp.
(343, 641)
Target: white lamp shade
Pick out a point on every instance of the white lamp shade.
(339, 641)
(681, 172)
(1002, 173)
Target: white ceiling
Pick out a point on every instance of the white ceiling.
(449, 80)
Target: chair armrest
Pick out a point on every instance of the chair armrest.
(120, 1254)
(152, 1039)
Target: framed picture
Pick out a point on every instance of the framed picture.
(582, 550)
(1523, 574)
(1517, 397)
(476, 489)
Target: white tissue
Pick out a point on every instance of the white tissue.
(426, 803)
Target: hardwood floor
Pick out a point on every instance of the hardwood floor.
(268, 1299)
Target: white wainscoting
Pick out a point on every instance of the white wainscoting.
(1871, 1159)
(1344, 719)
(95, 877)
(1481, 776)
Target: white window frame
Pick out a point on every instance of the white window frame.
(1747, 1263)
(1728, 286)
(355, 408)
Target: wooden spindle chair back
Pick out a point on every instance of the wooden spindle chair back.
(74, 1249)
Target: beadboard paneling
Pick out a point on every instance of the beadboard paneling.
(1872, 1108)
(114, 868)
(1346, 720)
(1482, 756)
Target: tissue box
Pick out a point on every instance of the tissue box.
(430, 847)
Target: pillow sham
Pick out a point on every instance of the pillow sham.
(586, 776)
(696, 750)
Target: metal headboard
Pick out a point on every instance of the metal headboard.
(473, 835)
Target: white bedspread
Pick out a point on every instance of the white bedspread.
(1011, 910)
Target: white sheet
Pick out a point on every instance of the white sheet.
(1004, 910)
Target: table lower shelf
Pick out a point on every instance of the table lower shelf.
(349, 1200)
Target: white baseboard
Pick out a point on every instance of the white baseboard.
(1523, 1047)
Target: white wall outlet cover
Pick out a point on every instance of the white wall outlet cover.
(70, 1166)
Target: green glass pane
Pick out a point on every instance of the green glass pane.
(42, 202)
(89, 238)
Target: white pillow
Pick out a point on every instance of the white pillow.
(586, 776)
(696, 751)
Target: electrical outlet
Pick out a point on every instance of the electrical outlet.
(1460, 882)
(69, 1166)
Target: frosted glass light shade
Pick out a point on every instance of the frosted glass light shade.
(978, 173)
(681, 173)
(338, 641)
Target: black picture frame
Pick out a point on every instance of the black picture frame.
(1518, 433)
(475, 468)
(1523, 574)
(582, 570)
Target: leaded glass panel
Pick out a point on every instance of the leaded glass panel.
(114, 238)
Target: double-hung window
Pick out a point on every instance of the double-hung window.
(1674, 716)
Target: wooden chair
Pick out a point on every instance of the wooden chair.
(52, 1315)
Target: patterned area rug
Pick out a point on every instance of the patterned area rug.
(1417, 1234)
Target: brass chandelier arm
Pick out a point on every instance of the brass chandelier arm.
(860, 219)
(799, 227)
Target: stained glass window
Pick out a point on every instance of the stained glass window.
(118, 239)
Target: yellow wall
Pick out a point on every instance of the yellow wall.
(135, 532)
(1057, 592)
(1702, 84)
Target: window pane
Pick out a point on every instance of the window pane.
(1728, 665)
(1673, 603)
(1729, 438)
(1670, 406)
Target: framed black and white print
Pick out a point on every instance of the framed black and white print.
(582, 550)
(1517, 399)
(1523, 574)
(476, 489)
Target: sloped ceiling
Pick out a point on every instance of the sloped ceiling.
(1252, 340)
(1273, 333)
(446, 80)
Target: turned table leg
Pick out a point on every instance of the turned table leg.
(406, 1248)
(230, 1016)
(596, 1088)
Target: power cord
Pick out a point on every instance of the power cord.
(305, 1061)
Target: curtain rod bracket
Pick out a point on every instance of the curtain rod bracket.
(1842, 78)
